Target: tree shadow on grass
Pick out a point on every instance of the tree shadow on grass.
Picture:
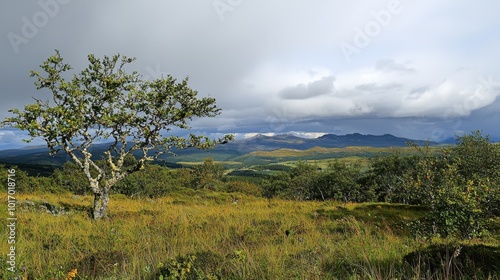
(101, 263)
(456, 262)
(378, 214)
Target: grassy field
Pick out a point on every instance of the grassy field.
(323, 163)
(318, 155)
(328, 153)
(320, 150)
(215, 236)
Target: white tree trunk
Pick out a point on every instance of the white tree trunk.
(101, 200)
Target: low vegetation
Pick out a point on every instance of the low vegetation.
(208, 235)
(430, 214)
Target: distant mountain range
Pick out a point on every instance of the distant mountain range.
(39, 155)
(288, 141)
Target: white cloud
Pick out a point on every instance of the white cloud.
(308, 134)
(392, 65)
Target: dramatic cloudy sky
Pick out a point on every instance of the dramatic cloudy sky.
(419, 69)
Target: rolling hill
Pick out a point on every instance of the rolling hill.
(259, 149)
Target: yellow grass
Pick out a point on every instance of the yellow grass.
(321, 150)
(141, 234)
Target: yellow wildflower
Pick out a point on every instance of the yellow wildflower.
(71, 274)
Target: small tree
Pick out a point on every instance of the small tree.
(387, 177)
(460, 186)
(208, 175)
(339, 182)
(302, 181)
(104, 103)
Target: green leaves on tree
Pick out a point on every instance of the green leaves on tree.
(103, 103)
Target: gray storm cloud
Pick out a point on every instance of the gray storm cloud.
(303, 91)
(259, 57)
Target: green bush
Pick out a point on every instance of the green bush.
(70, 177)
(199, 266)
(25, 183)
(208, 175)
(153, 181)
(339, 182)
(386, 178)
(461, 198)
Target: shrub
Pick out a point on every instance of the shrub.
(339, 182)
(461, 198)
(153, 181)
(70, 177)
(386, 177)
(208, 175)
(23, 182)
(199, 266)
